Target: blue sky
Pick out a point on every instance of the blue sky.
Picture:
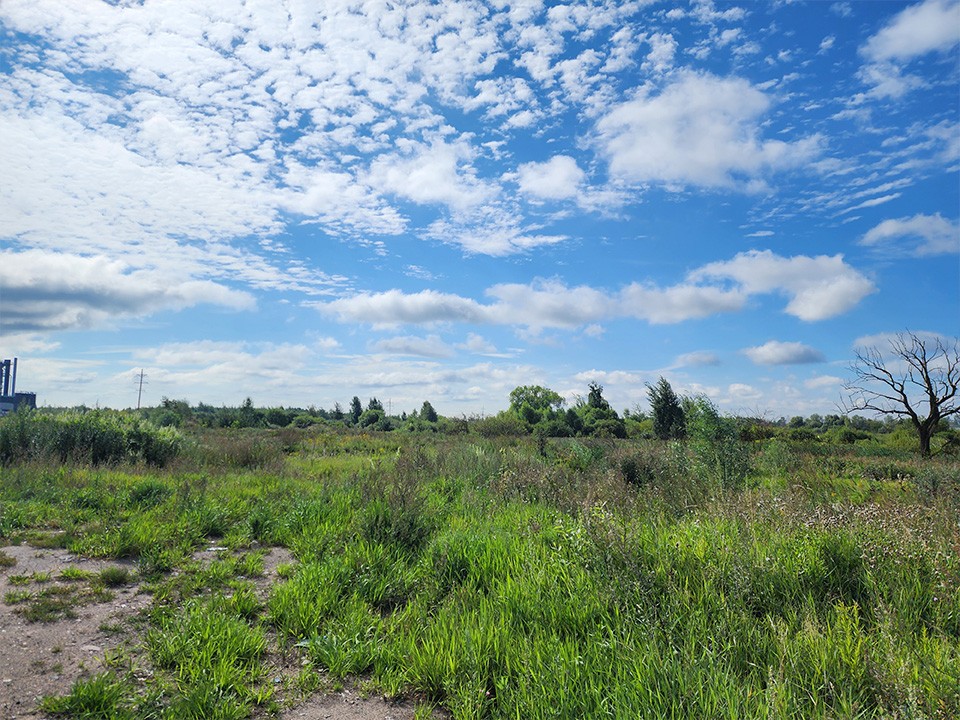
(301, 202)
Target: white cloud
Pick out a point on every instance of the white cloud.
(678, 303)
(394, 307)
(819, 287)
(698, 358)
(499, 236)
(430, 347)
(558, 178)
(431, 174)
(920, 235)
(478, 344)
(700, 130)
(44, 291)
(663, 48)
(823, 381)
(929, 26)
(775, 352)
(326, 344)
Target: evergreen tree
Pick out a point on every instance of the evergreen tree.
(428, 413)
(669, 421)
(356, 410)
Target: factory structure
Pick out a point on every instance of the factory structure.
(10, 399)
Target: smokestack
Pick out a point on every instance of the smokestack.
(6, 377)
(13, 381)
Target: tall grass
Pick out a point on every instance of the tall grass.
(95, 437)
(505, 580)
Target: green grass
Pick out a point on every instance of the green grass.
(504, 580)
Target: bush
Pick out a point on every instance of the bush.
(502, 424)
(96, 437)
(719, 454)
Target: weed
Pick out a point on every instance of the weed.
(74, 574)
(14, 597)
(6, 560)
(103, 696)
(115, 576)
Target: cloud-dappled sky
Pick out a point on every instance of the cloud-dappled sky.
(305, 201)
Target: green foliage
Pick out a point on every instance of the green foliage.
(427, 412)
(597, 418)
(720, 457)
(599, 578)
(356, 410)
(96, 437)
(504, 424)
(539, 399)
(102, 697)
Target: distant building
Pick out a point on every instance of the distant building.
(10, 399)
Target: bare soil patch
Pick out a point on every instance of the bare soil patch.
(45, 658)
(347, 705)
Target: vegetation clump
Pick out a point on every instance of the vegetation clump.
(731, 573)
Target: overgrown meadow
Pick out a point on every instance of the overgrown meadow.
(503, 577)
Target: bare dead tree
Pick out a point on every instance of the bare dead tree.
(917, 378)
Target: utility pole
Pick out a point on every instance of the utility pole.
(140, 389)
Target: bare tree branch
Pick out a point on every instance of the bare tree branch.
(914, 374)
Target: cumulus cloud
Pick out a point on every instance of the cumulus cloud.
(478, 344)
(45, 291)
(920, 235)
(927, 27)
(775, 352)
(558, 178)
(437, 173)
(819, 287)
(701, 130)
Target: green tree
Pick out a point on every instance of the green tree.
(428, 413)
(356, 410)
(598, 418)
(539, 408)
(537, 397)
(669, 421)
(374, 404)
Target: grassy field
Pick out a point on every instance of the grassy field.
(515, 577)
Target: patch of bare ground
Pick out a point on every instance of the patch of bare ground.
(348, 705)
(45, 657)
(38, 657)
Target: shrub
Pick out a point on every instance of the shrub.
(719, 455)
(97, 437)
(502, 424)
